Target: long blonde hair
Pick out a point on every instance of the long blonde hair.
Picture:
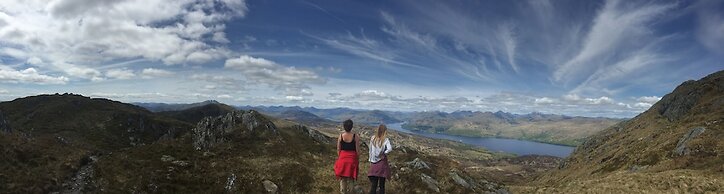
(380, 135)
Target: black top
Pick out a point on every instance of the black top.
(351, 146)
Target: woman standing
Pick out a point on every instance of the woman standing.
(379, 169)
(347, 166)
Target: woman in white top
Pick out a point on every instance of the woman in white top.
(379, 169)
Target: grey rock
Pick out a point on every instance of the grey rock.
(418, 164)
(678, 103)
(270, 186)
(430, 182)
(459, 180)
(167, 158)
(636, 168)
(215, 130)
(4, 125)
(230, 183)
(314, 134)
(83, 180)
(180, 163)
(681, 148)
(62, 140)
(358, 189)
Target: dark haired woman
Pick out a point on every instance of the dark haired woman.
(347, 165)
(379, 169)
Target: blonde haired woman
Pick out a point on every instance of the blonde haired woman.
(379, 169)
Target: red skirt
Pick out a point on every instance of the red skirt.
(346, 165)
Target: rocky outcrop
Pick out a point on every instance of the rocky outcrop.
(4, 125)
(686, 96)
(674, 107)
(418, 164)
(83, 180)
(681, 148)
(270, 187)
(314, 134)
(230, 183)
(430, 182)
(459, 180)
(214, 130)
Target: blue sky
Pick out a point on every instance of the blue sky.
(590, 58)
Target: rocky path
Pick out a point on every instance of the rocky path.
(83, 179)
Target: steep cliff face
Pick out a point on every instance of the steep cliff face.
(679, 135)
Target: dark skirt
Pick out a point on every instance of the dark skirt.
(346, 165)
(380, 169)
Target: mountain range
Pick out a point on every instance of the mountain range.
(69, 143)
(548, 128)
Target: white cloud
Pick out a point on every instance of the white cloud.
(291, 80)
(370, 95)
(649, 99)
(129, 96)
(149, 73)
(120, 74)
(544, 100)
(29, 75)
(225, 96)
(294, 98)
(88, 33)
(219, 82)
(576, 99)
(600, 100)
(642, 105)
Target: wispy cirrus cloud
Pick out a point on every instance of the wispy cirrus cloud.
(618, 29)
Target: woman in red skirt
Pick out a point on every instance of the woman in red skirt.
(347, 165)
(379, 169)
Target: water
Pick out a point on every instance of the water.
(515, 146)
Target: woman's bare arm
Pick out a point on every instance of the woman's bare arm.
(339, 144)
(357, 144)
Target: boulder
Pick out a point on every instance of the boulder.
(681, 148)
(230, 183)
(314, 134)
(430, 182)
(270, 187)
(418, 164)
(167, 158)
(180, 163)
(459, 180)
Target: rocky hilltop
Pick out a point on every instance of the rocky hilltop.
(675, 146)
(197, 113)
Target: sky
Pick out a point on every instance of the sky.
(582, 58)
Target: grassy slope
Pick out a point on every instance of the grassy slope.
(607, 162)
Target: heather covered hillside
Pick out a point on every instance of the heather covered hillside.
(676, 145)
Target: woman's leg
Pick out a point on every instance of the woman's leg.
(382, 185)
(373, 188)
(342, 186)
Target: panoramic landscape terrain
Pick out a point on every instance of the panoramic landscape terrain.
(250, 96)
